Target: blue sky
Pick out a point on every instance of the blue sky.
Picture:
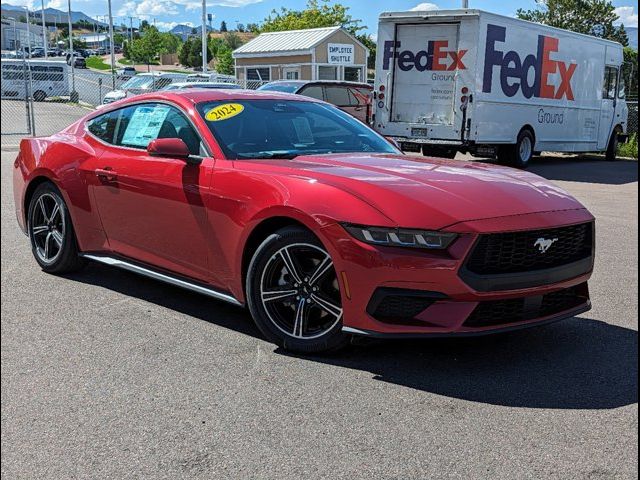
(170, 12)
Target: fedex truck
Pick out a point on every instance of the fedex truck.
(472, 81)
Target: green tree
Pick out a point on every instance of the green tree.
(170, 42)
(241, 28)
(318, 13)
(190, 54)
(223, 27)
(630, 71)
(232, 40)
(592, 17)
(224, 62)
(146, 48)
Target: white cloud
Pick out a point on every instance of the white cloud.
(165, 26)
(628, 16)
(425, 7)
(233, 3)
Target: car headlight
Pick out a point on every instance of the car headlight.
(401, 237)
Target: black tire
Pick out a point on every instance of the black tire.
(52, 231)
(39, 96)
(277, 318)
(611, 155)
(520, 154)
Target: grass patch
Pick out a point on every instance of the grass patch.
(629, 149)
(97, 63)
(125, 61)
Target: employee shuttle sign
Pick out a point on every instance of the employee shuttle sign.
(340, 53)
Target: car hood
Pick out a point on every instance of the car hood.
(416, 192)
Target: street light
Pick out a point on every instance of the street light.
(44, 32)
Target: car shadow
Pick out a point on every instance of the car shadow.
(579, 363)
(584, 168)
(167, 296)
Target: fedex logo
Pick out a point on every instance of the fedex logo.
(435, 57)
(514, 72)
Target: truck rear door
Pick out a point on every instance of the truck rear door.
(424, 73)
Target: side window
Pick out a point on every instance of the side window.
(622, 87)
(103, 126)
(338, 96)
(313, 91)
(140, 124)
(610, 83)
(162, 82)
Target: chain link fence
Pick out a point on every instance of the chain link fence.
(632, 122)
(43, 97)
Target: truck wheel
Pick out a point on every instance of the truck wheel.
(518, 155)
(612, 149)
(39, 96)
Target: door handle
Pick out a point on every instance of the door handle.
(106, 174)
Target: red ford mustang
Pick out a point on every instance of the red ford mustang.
(315, 222)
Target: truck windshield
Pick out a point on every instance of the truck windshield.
(252, 129)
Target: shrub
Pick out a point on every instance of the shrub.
(629, 149)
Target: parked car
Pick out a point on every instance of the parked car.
(54, 52)
(79, 62)
(37, 52)
(353, 98)
(12, 54)
(214, 85)
(143, 83)
(126, 72)
(477, 82)
(102, 51)
(315, 222)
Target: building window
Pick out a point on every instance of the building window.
(260, 74)
(327, 73)
(353, 74)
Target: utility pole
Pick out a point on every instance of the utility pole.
(130, 30)
(465, 3)
(205, 36)
(74, 94)
(113, 56)
(28, 31)
(45, 37)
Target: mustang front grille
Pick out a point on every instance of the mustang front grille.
(516, 252)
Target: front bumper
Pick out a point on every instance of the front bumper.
(363, 270)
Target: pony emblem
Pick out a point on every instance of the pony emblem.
(544, 244)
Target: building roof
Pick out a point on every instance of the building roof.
(94, 37)
(288, 41)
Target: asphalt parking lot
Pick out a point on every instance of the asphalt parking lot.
(109, 375)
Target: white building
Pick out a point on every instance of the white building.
(14, 36)
(329, 53)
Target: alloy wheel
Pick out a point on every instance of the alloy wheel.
(48, 227)
(299, 291)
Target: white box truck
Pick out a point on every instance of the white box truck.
(472, 81)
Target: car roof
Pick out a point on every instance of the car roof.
(320, 82)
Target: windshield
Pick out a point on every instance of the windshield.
(140, 81)
(281, 87)
(287, 128)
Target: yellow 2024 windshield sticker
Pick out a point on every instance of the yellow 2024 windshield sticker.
(224, 112)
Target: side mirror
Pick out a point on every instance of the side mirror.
(169, 148)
